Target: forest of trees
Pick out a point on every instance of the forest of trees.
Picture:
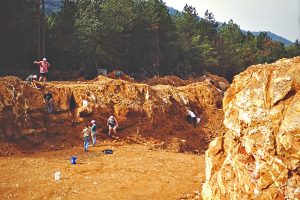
(137, 36)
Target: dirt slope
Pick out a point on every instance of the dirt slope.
(143, 111)
(152, 127)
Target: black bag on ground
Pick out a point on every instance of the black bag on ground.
(107, 151)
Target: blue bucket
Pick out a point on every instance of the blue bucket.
(73, 160)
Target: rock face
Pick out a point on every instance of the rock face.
(259, 155)
(142, 110)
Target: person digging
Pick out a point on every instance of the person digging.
(31, 80)
(191, 117)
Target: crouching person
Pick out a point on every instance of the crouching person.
(112, 124)
(31, 79)
(86, 137)
(191, 117)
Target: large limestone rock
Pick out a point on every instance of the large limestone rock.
(142, 110)
(259, 155)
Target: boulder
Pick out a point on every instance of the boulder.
(259, 155)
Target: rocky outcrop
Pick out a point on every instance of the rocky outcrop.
(142, 110)
(259, 155)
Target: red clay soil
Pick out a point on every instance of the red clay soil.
(219, 82)
(145, 164)
(166, 80)
(131, 172)
(147, 111)
(124, 76)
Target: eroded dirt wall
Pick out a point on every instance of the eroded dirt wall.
(142, 110)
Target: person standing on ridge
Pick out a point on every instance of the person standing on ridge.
(86, 137)
(93, 132)
(44, 65)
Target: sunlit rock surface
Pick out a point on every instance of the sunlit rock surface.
(259, 155)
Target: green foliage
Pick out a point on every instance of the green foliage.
(293, 50)
(18, 23)
(60, 32)
(268, 50)
(231, 54)
(134, 35)
(187, 32)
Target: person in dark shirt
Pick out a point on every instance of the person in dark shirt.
(49, 101)
(112, 124)
(93, 132)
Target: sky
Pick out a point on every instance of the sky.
(281, 17)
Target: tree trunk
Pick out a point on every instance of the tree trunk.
(61, 59)
(43, 28)
(157, 56)
(38, 30)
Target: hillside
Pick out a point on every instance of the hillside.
(147, 160)
(144, 112)
(274, 37)
(253, 151)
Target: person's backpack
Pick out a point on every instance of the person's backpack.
(112, 121)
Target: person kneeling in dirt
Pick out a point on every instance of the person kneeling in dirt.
(93, 132)
(86, 137)
(49, 101)
(112, 126)
(191, 117)
(31, 79)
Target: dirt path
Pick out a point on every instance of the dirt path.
(131, 172)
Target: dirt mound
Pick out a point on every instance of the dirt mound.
(156, 112)
(259, 156)
(166, 80)
(219, 82)
(122, 76)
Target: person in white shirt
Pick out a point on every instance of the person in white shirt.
(191, 117)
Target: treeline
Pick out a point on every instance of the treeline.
(136, 36)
